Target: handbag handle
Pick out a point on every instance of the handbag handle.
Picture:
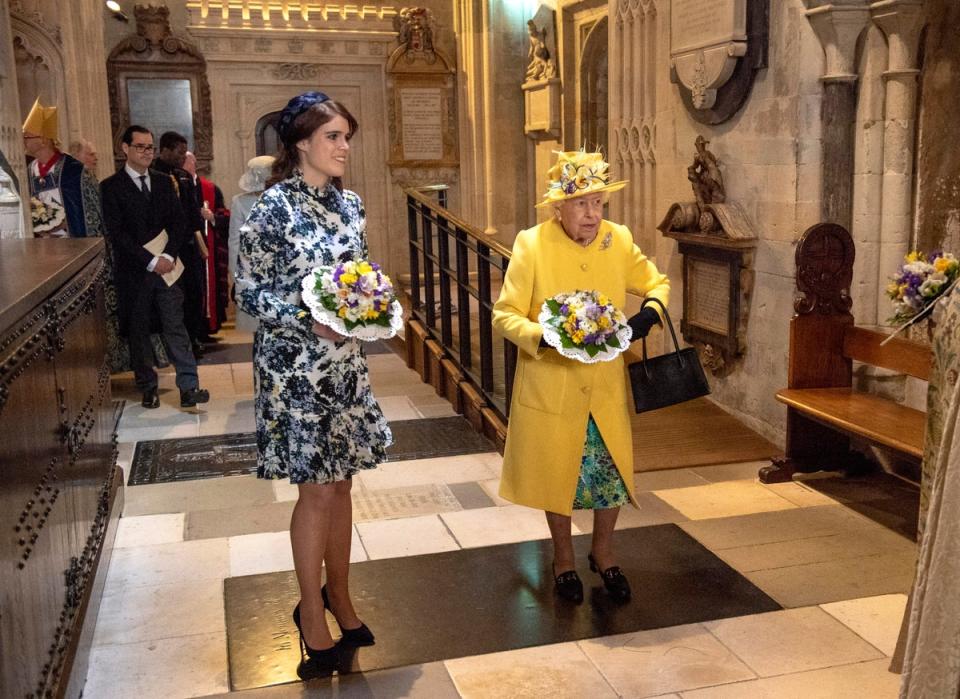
(673, 333)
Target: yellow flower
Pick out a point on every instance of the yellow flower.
(342, 312)
(364, 267)
(914, 256)
(578, 336)
(348, 278)
(372, 314)
(941, 264)
(602, 300)
(603, 322)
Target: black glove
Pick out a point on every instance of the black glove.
(643, 321)
(543, 343)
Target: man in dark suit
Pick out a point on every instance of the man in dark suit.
(139, 203)
(171, 153)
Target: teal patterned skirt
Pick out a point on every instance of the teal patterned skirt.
(600, 486)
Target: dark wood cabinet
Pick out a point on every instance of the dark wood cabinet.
(59, 483)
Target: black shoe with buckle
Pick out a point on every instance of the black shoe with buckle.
(192, 396)
(150, 398)
(568, 586)
(614, 580)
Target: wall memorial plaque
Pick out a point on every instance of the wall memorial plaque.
(422, 102)
(716, 46)
(709, 295)
(421, 120)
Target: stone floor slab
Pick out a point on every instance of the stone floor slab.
(559, 671)
(791, 640)
(214, 524)
(192, 496)
(875, 619)
(149, 529)
(656, 662)
(412, 536)
(868, 679)
(726, 499)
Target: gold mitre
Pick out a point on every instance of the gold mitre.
(42, 121)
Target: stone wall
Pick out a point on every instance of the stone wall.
(938, 160)
(769, 153)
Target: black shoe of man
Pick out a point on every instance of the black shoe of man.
(191, 397)
(150, 399)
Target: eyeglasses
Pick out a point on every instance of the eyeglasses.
(143, 148)
(27, 138)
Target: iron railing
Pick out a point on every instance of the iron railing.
(451, 259)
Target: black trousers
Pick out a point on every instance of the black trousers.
(192, 280)
(166, 302)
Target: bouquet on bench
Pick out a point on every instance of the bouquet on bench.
(355, 298)
(585, 326)
(920, 281)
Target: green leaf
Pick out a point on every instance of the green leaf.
(593, 350)
(566, 342)
(553, 306)
(612, 341)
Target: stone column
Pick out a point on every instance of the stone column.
(838, 27)
(11, 140)
(901, 22)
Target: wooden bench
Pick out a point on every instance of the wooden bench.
(824, 410)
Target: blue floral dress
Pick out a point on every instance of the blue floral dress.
(317, 419)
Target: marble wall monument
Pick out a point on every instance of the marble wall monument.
(716, 46)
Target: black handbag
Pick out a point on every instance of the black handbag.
(668, 379)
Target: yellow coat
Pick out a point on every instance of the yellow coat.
(553, 396)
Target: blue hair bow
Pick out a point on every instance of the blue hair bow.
(295, 107)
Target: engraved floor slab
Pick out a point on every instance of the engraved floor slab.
(469, 602)
(227, 353)
(166, 460)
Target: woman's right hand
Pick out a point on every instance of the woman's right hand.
(327, 333)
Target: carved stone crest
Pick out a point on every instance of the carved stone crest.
(415, 27)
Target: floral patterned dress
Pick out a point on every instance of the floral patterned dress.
(317, 419)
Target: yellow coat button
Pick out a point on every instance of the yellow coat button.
(584, 266)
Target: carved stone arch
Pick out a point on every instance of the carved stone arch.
(155, 53)
(39, 65)
(594, 87)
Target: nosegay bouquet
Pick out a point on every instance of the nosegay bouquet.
(919, 282)
(355, 298)
(585, 326)
(46, 216)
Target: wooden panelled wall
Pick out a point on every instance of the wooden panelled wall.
(58, 502)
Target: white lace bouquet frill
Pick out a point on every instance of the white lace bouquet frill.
(46, 216)
(585, 326)
(355, 298)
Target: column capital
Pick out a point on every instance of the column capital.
(901, 21)
(838, 25)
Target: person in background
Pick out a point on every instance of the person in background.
(84, 151)
(216, 216)
(139, 204)
(171, 154)
(252, 183)
(65, 200)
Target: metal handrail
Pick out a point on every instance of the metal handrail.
(434, 233)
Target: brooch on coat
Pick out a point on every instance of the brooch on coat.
(607, 241)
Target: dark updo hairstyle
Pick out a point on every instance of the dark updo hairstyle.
(302, 126)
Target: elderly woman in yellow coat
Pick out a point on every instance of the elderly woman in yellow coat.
(569, 444)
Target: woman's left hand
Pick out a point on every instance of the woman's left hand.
(327, 333)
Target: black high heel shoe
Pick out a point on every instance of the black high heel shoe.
(318, 663)
(613, 580)
(567, 585)
(360, 636)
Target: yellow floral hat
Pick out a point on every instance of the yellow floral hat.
(577, 173)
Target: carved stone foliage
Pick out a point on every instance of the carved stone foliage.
(716, 48)
(155, 53)
(824, 259)
(300, 71)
